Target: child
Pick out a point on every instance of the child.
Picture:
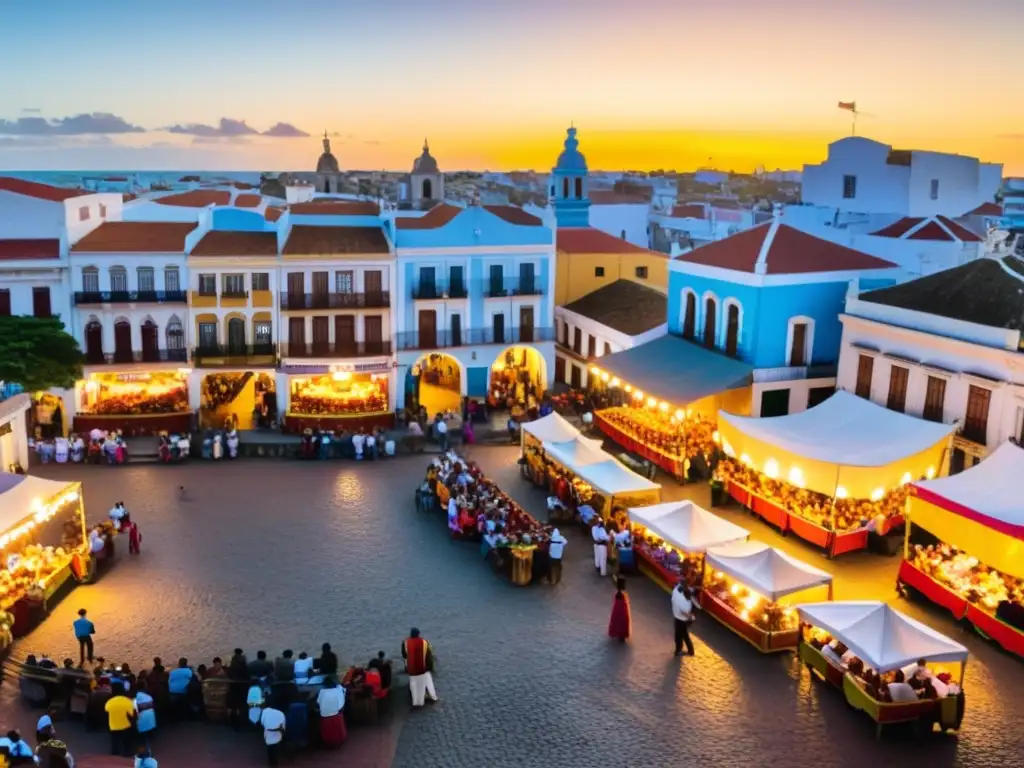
(134, 538)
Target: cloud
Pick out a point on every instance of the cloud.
(75, 125)
(226, 127)
(285, 131)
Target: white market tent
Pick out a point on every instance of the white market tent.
(22, 495)
(611, 477)
(881, 636)
(576, 453)
(551, 429)
(767, 571)
(686, 526)
(844, 442)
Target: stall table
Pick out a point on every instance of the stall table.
(674, 465)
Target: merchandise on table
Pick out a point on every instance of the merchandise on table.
(751, 589)
(339, 394)
(135, 394)
(889, 666)
(675, 437)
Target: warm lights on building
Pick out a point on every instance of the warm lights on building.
(771, 469)
(796, 477)
(930, 473)
(905, 479)
(877, 494)
(841, 492)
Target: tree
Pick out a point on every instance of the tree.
(37, 353)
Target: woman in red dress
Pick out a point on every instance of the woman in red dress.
(621, 621)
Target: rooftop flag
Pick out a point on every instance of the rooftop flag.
(849, 106)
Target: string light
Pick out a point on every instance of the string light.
(930, 473)
(42, 514)
(771, 468)
(841, 492)
(877, 494)
(905, 479)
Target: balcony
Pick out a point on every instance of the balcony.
(321, 350)
(509, 287)
(235, 355)
(795, 373)
(135, 356)
(297, 301)
(445, 339)
(438, 291)
(130, 297)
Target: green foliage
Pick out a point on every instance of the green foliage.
(37, 353)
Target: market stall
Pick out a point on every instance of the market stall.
(553, 428)
(43, 537)
(964, 547)
(670, 540)
(666, 439)
(750, 588)
(137, 403)
(832, 473)
(343, 400)
(860, 646)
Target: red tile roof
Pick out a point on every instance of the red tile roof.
(986, 209)
(590, 240)
(436, 217)
(689, 211)
(936, 228)
(20, 248)
(197, 198)
(899, 228)
(135, 237)
(960, 232)
(230, 243)
(336, 208)
(930, 231)
(789, 252)
(309, 239)
(273, 212)
(39, 191)
(611, 197)
(513, 214)
(248, 201)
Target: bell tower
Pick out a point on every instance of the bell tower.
(568, 190)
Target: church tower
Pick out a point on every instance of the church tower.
(426, 182)
(568, 191)
(328, 174)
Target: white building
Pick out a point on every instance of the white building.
(32, 210)
(862, 176)
(946, 347)
(619, 316)
(621, 215)
(689, 225)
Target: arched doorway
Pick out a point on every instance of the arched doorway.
(150, 341)
(435, 383)
(518, 378)
(93, 341)
(428, 190)
(236, 336)
(122, 340)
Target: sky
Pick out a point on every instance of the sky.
(672, 84)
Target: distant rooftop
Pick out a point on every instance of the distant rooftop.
(625, 306)
(135, 237)
(40, 191)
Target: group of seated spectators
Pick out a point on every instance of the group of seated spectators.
(682, 566)
(680, 440)
(221, 389)
(915, 682)
(319, 405)
(831, 514)
(990, 590)
(173, 401)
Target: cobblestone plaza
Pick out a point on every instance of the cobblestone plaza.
(268, 555)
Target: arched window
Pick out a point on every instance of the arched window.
(123, 341)
(732, 329)
(565, 189)
(175, 333)
(327, 186)
(150, 341)
(93, 341)
(690, 315)
(236, 336)
(90, 280)
(552, 190)
(710, 307)
(800, 341)
(118, 280)
(579, 188)
(428, 189)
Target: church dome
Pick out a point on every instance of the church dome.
(327, 163)
(571, 158)
(425, 163)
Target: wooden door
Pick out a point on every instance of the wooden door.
(373, 332)
(373, 287)
(345, 335)
(150, 342)
(428, 329)
(297, 337)
(236, 336)
(574, 377)
(320, 291)
(321, 335)
(122, 342)
(526, 324)
(560, 369)
(296, 290)
(41, 302)
(94, 342)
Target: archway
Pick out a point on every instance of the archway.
(93, 341)
(150, 341)
(435, 383)
(518, 378)
(428, 190)
(243, 399)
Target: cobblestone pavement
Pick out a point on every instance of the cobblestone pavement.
(274, 555)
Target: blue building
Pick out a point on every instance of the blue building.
(771, 297)
(473, 302)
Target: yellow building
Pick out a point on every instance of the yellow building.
(587, 259)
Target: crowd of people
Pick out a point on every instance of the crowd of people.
(750, 606)
(359, 444)
(681, 440)
(141, 401)
(682, 566)
(220, 389)
(327, 405)
(832, 514)
(990, 590)
(103, 447)
(914, 682)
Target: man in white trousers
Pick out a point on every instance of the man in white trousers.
(419, 662)
(600, 536)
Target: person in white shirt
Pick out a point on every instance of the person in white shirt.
(682, 617)
(600, 536)
(441, 428)
(555, 551)
(303, 666)
(330, 701)
(255, 700)
(900, 691)
(272, 721)
(358, 442)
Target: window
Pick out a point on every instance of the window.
(207, 335)
(849, 187)
(935, 189)
(207, 285)
(5, 302)
(147, 279)
(83, 213)
(935, 399)
(172, 279)
(344, 281)
(262, 333)
(641, 272)
(456, 283)
(41, 302)
(690, 316)
(261, 281)
(233, 285)
(236, 336)
(591, 347)
(91, 280)
(798, 349)
(577, 341)
(598, 271)
(118, 280)
(498, 325)
(565, 188)
(103, 211)
(527, 281)
(321, 282)
(710, 309)
(456, 321)
(898, 376)
(976, 418)
(732, 330)
(865, 368)
(607, 348)
(175, 333)
(579, 188)
(497, 278)
(427, 285)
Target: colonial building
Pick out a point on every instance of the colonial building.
(474, 298)
(945, 347)
(619, 316)
(771, 297)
